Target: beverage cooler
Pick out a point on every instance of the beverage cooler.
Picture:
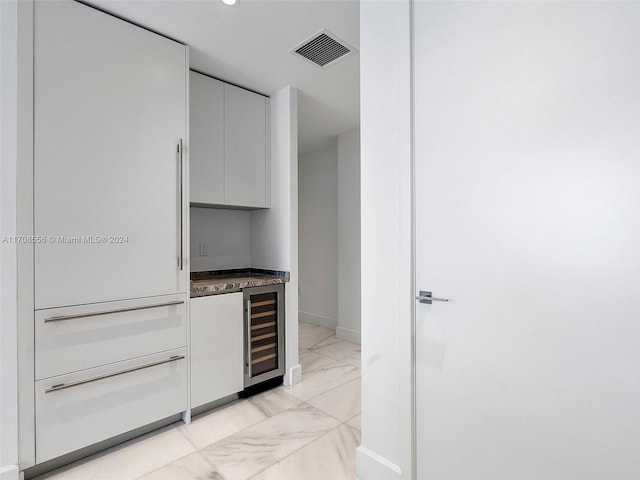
(264, 334)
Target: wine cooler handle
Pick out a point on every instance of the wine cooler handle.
(248, 332)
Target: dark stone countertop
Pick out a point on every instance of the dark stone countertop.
(221, 281)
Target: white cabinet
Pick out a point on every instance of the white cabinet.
(109, 112)
(245, 140)
(110, 279)
(229, 145)
(86, 407)
(217, 352)
(206, 131)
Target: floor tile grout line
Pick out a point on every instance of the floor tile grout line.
(195, 450)
(328, 356)
(170, 463)
(331, 358)
(329, 415)
(354, 417)
(332, 389)
(181, 429)
(302, 447)
(316, 368)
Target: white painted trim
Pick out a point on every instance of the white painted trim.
(8, 250)
(10, 472)
(348, 334)
(386, 230)
(372, 466)
(26, 296)
(318, 320)
(295, 375)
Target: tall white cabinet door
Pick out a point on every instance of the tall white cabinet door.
(206, 132)
(245, 147)
(110, 106)
(217, 355)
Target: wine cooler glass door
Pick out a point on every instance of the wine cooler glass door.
(264, 334)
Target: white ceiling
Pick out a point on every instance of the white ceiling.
(248, 44)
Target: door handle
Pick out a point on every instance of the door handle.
(428, 298)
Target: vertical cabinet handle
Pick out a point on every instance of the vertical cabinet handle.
(180, 202)
(248, 333)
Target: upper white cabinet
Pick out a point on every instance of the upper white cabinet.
(229, 148)
(245, 140)
(206, 111)
(109, 114)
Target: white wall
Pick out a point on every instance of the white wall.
(387, 300)
(318, 235)
(349, 236)
(274, 232)
(226, 235)
(8, 251)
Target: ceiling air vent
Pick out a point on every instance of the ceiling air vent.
(323, 49)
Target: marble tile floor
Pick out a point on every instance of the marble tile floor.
(306, 432)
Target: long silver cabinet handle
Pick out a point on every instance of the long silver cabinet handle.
(107, 312)
(180, 202)
(63, 386)
(248, 333)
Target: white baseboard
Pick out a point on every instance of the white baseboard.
(10, 472)
(347, 334)
(318, 320)
(371, 466)
(294, 376)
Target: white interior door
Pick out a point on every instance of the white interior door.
(527, 148)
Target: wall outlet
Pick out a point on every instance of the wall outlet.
(203, 249)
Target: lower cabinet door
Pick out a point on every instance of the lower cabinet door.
(217, 353)
(75, 338)
(82, 408)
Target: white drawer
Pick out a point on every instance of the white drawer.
(71, 339)
(77, 410)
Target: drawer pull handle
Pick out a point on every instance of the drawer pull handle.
(63, 386)
(107, 312)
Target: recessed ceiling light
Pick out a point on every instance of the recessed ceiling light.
(229, 2)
